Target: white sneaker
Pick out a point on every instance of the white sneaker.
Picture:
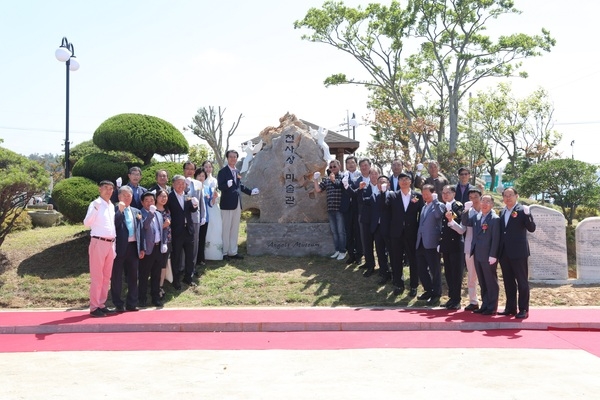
(337, 253)
(342, 256)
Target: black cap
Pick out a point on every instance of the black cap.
(404, 175)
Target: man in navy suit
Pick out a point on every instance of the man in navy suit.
(484, 248)
(394, 179)
(134, 175)
(404, 207)
(451, 247)
(128, 245)
(153, 254)
(182, 233)
(231, 187)
(428, 240)
(367, 197)
(463, 186)
(515, 222)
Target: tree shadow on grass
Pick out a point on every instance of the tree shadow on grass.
(68, 259)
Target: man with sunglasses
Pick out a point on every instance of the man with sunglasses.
(463, 186)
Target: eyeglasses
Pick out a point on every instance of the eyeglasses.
(446, 192)
(333, 166)
(464, 174)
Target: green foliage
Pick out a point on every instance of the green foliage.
(20, 180)
(199, 153)
(584, 212)
(73, 196)
(572, 183)
(88, 147)
(149, 172)
(22, 222)
(142, 135)
(100, 166)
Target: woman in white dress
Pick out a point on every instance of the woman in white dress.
(214, 241)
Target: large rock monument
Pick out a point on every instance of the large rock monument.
(548, 245)
(293, 219)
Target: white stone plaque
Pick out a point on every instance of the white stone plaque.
(548, 245)
(587, 238)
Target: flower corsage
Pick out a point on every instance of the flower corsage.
(484, 227)
(514, 214)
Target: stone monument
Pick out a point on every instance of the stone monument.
(548, 245)
(292, 218)
(587, 241)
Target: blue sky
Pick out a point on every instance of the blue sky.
(169, 58)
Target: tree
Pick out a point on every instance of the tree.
(20, 180)
(374, 38)
(141, 135)
(571, 182)
(52, 163)
(199, 153)
(453, 34)
(88, 147)
(207, 124)
(520, 129)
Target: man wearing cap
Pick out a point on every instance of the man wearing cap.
(100, 217)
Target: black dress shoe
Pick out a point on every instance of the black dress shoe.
(97, 313)
(383, 280)
(508, 312)
(489, 312)
(398, 291)
(350, 260)
(237, 257)
(425, 296)
(369, 272)
(120, 309)
(479, 311)
(226, 258)
(176, 285)
(472, 307)
(434, 301)
(522, 314)
(157, 303)
(132, 309)
(446, 304)
(453, 306)
(108, 311)
(142, 304)
(413, 292)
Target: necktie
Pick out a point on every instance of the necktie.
(128, 220)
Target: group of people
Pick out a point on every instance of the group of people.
(136, 233)
(408, 218)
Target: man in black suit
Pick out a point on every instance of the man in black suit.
(515, 222)
(230, 184)
(162, 179)
(394, 179)
(153, 256)
(451, 247)
(404, 207)
(128, 245)
(366, 199)
(349, 209)
(463, 186)
(375, 205)
(182, 233)
(357, 187)
(485, 247)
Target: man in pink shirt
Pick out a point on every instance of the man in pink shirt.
(100, 218)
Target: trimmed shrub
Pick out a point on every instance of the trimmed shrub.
(100, 166)
(73, 196)
(149, 172)
(142, 135)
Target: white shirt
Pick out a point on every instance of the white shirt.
(405, 199)
(101, 218)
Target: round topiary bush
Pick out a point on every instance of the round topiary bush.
(149, 172)
(73, 196)
(99, 167)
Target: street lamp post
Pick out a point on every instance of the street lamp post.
(66, 53)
